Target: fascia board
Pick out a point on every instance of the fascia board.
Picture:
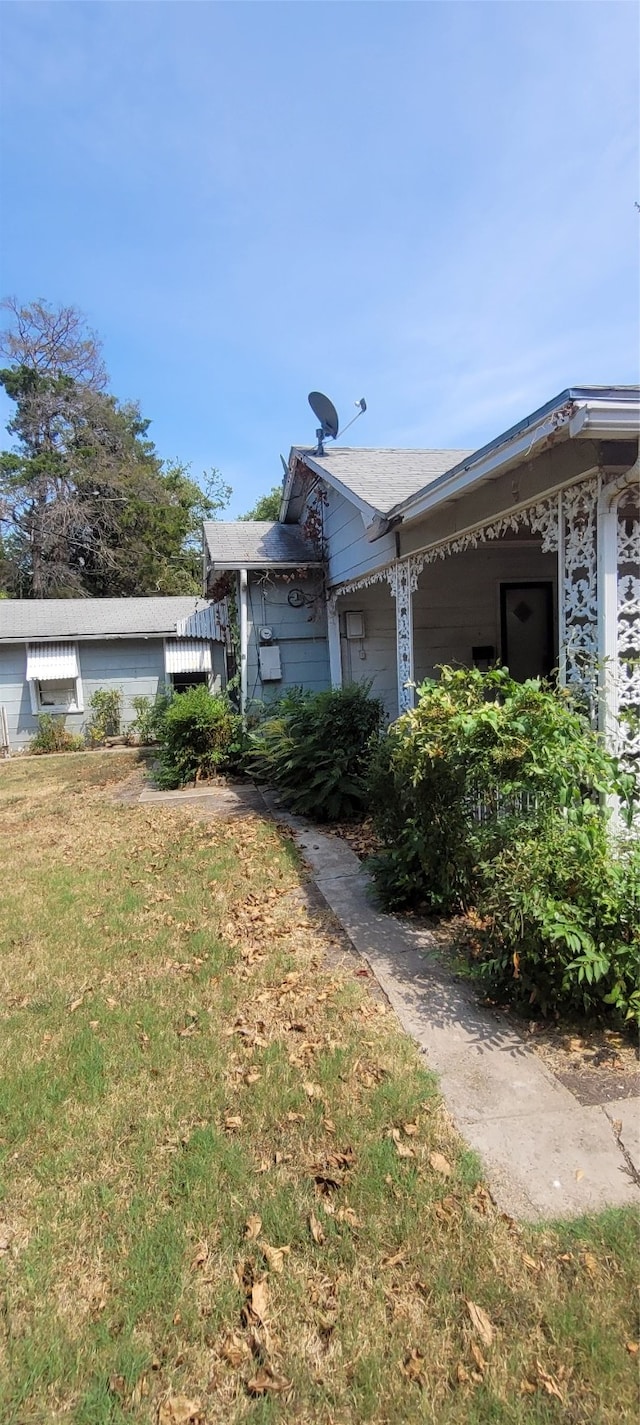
(266, 564)
(455, 483)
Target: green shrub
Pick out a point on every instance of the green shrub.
(563, 913)
(199, 735)
(315, 749)
(478, 755)
(52, 736)
(150, 715)
(106, 707)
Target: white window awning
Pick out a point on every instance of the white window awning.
(187, 655)
(52, 662)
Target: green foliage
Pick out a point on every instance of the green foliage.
(479, 753)
(563, 913)
(267, 507)
(52, 736)
(106, 706)
(199, 736)
(315, 749)
(150, 715)
(87, 506)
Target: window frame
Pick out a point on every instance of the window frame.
(56, 709)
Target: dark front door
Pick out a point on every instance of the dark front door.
(526, 612)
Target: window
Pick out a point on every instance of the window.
(53, 675)
(181, 681)
(57, 694)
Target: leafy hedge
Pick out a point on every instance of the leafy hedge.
(490, 794)
(52, 736)
(199, 735)
(316, 748)
(563, 920)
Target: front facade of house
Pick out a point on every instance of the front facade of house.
(56, 653)
(525, 553)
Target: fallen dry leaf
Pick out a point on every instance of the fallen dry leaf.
(481, 1322)
(440, 1164)
(393, 1261)
(179, 1411)
(410, 1129)
(530, 1262)
(267, 1381)
(549, 1383)
(75, 1004)
(412, 1366)
(260, 1300)
(232, 1121)
(462, 1374)
(253, 1227)
(591, 1263)
(478, 1357)
(234, 1350)
(201, 1255)
(316, 1229)
(275, 1255)
(579, 1174)
(633, 1348)
(312, 1090)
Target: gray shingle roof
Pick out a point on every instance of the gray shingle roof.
(382, 478)
(24, 619)
(244, 544)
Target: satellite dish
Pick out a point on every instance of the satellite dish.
(326, 413)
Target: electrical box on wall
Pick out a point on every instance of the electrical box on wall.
(354, 624)
(269, 662)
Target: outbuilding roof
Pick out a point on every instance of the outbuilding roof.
(32, 620)
(256, 544)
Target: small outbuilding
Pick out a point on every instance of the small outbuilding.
(56, 653)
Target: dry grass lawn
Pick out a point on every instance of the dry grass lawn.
(229, 1190)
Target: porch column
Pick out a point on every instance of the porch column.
(607, 535)
(401, 590)
(333, 639)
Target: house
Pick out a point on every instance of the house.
(525, 552)
(276, 572)
(55, 653)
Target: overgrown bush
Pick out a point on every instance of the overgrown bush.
(316, 748)
(199, 735)
(106, 709)
(52, 736)
(563, 919)
(150, 715)
(479, 755)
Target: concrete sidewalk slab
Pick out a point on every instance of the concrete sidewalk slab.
(545, 1154)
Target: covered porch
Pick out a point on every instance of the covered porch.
(552, 588)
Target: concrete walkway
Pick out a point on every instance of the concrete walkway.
(545, 1154)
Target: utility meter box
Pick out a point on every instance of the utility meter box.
(270, 666)
(354, 624)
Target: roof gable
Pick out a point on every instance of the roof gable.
(375, 480)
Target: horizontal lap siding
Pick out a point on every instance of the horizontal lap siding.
(457, 603)
(300, 634)
(134, 666)
(14, 694)
(379, 645)
(350, 553)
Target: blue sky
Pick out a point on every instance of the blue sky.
(428, 204)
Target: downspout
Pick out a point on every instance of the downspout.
(244, 625)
